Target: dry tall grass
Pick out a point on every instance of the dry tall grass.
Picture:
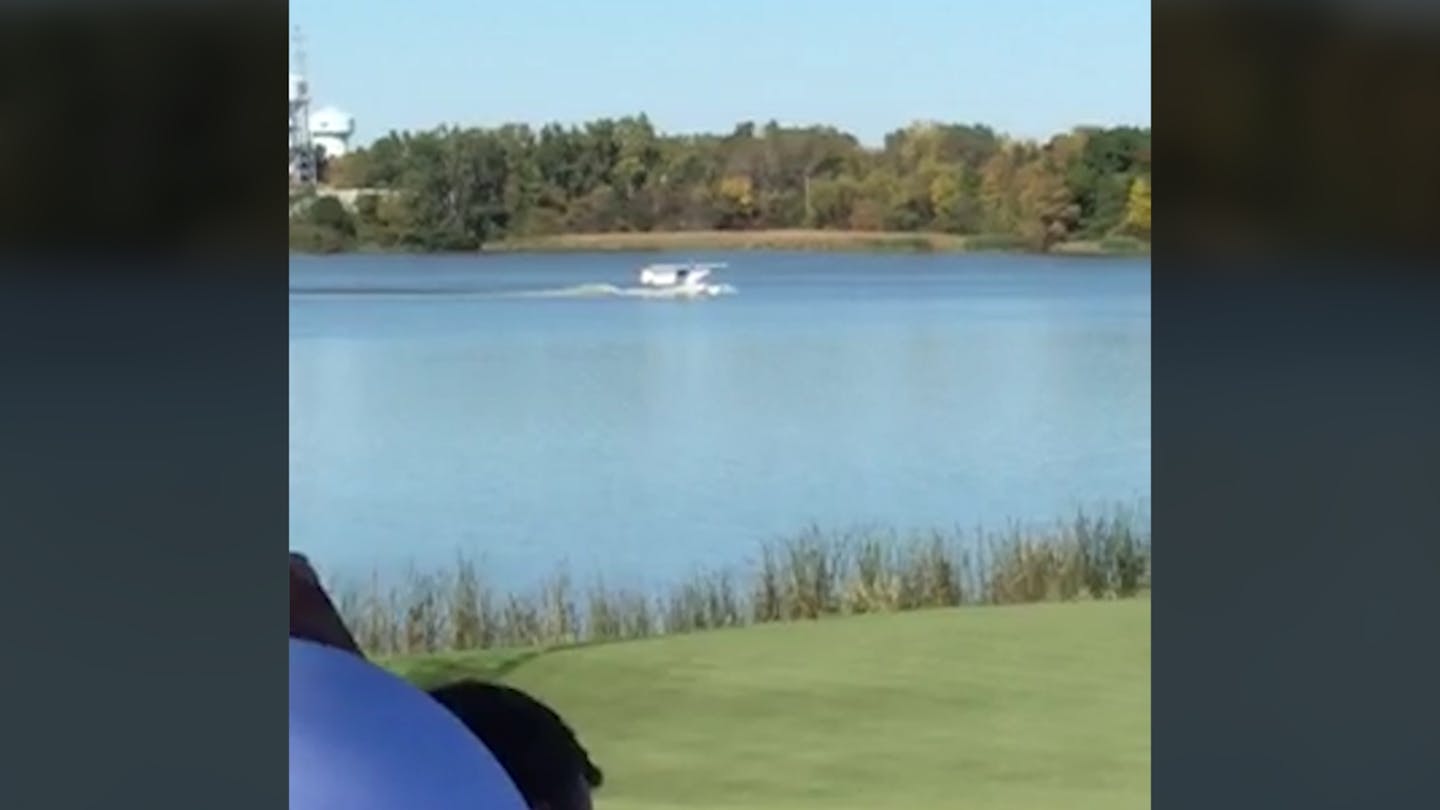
(807, 576)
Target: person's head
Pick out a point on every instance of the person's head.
(313, 616)
(534, 746)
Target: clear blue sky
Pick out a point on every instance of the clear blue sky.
(1029, 68)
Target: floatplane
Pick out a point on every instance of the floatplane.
(683, 279)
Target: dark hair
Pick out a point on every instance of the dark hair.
(535, 747)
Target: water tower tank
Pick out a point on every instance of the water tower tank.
(331, 129)
(332, 121)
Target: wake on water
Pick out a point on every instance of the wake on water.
(577, 291)
(613, 291)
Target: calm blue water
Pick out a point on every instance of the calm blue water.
(435, 406)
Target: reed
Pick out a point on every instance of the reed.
(807, 576)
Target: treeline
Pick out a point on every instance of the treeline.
(457, 189)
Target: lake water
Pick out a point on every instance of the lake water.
(506, 407)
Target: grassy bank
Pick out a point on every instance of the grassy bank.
(811, 575)
(1000, 708)
(1109, 246)
(815, 240)
(307, 238)
(811, 240)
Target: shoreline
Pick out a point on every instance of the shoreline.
(814, 574)
(781, 240)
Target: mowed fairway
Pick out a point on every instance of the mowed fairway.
(1026, 707)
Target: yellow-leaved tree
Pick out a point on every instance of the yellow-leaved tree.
(1137, 208)
(736, 198)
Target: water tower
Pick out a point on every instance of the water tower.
(325, 131)
(330, 129)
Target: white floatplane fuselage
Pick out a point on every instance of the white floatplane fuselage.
(688, 279)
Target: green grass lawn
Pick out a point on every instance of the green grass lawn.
(1022, 708)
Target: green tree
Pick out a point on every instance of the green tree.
(456, 181)
(328, 212)
(832, 202)
(322, 225)
(347, 171)
(997, 192)
(1047, 212)
(458, 188)
(878, 198)
(953, 200)
(1100, 176)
